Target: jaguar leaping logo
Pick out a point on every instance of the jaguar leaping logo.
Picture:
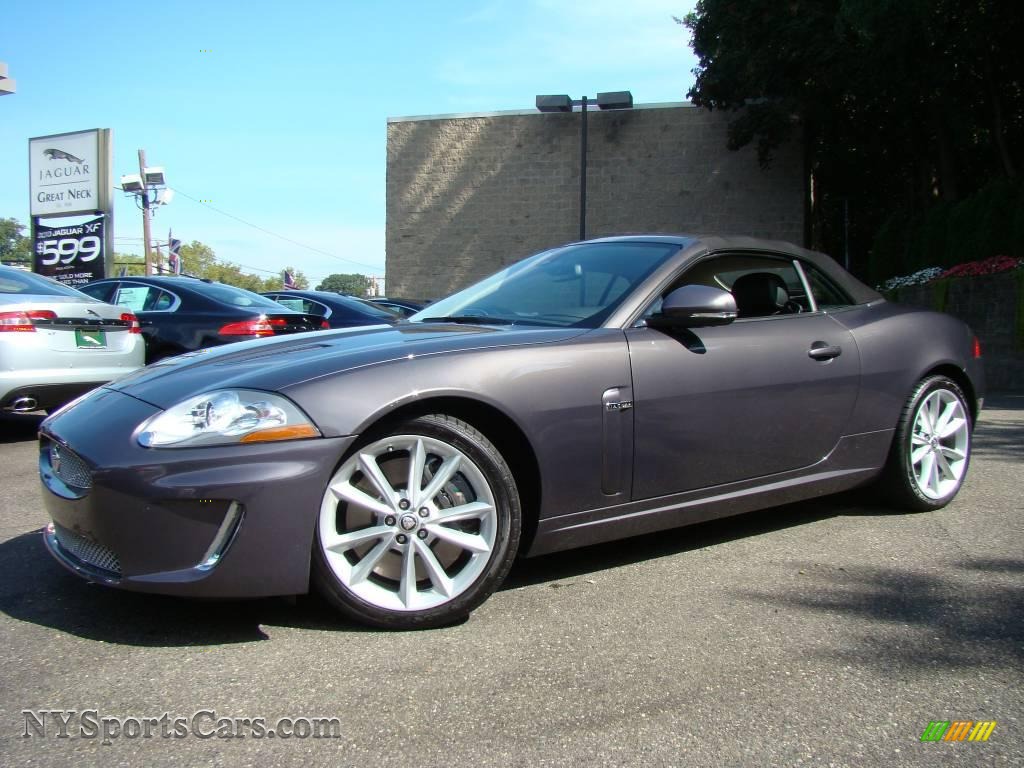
(60, 154)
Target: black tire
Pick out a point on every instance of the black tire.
(899, 483)
(375, 598)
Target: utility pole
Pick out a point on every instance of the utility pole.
(145, 212)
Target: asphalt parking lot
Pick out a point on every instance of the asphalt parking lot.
(824, 633)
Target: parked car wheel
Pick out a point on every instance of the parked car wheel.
(417, 526)
(932, 446)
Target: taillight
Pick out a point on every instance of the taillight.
(22, 321)
(257, 326)
(976, 348)
(324, 325)
(133, 322)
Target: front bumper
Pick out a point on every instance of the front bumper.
(230, 521)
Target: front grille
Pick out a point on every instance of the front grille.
(69, 467)
(89, 552)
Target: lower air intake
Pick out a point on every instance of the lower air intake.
(89, 552)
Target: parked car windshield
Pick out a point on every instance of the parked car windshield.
(577, 285)
(15, 281)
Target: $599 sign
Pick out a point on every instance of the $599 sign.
(72, 254)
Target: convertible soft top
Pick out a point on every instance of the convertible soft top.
(697, 244)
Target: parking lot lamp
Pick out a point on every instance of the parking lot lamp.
(562, 103)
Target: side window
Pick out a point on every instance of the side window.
(299, 304)
(144, 298)
(316, 308)
(762, 285)
(159, 301)
(132, 296)
(101, 291)
(827, 294)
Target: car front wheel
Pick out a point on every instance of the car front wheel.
(418, 526)
(932, 446)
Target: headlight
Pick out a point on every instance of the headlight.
(226, 417)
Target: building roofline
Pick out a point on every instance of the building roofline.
(504, 113)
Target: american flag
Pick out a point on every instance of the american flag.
(173, 253)
(288, 278)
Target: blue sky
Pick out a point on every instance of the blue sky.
(283, 122)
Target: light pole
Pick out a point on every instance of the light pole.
(148, 180)
(563, 103)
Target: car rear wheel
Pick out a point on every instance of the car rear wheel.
(417, 526)
(932, 446)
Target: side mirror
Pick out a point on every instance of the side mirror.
(694, 306)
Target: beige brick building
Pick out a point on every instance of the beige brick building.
(467, 194)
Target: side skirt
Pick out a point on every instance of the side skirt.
(854, 461)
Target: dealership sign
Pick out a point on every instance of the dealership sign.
(69, 173)
(72, 254)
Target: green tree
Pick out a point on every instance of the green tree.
(132, 265)
(199, 259)
(353, 283)
(14, 246)
(901, 106)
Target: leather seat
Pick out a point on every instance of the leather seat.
(759, 294)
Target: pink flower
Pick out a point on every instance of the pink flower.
(989, 266)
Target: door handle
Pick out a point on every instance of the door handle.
(821, 351)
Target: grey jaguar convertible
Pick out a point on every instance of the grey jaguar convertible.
(590, 392)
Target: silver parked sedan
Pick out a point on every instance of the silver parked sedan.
(589, 393)
(56, 343)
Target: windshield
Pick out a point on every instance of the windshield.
(575, 286)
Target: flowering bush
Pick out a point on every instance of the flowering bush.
(920, 277)
(989, 266)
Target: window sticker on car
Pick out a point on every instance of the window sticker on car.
(133, 297)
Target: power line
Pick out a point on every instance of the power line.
(216, 260)
(374, 267)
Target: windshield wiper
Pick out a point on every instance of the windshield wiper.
(468, 319)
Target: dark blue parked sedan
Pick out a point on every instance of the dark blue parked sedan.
(338, 310)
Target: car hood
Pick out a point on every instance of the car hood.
(273, 364)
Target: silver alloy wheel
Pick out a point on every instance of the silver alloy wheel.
(408, 523)
(939, 444)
